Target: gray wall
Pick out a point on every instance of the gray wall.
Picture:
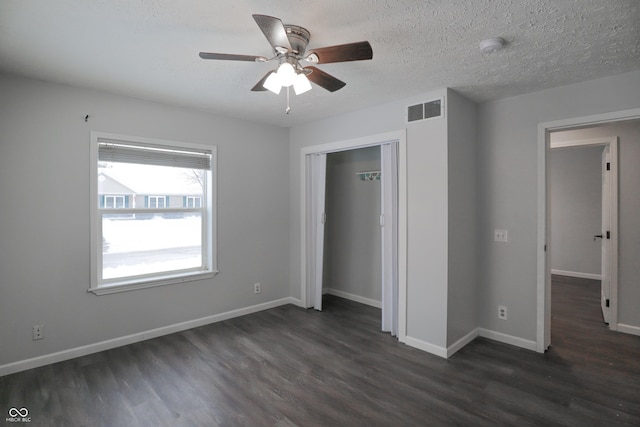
(462, 198)
(576, 208)
(507, 185)
(44, 217)
(352, 233)
(628, 134)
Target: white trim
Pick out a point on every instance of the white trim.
(296, 302)
(507, 339)
(582, 142)
(353, 297)
(425, 346)
(72, 353)
(543, 311)
(453, 348)
(628, 329)
(350, 144)
(138, 284)
(402, 237)
(576, 274)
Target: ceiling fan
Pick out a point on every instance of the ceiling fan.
(289, 44)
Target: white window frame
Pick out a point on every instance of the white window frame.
(115, 198)
(209, 226)
(158, 199)
(193, 200)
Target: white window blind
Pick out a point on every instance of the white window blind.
(110, 150)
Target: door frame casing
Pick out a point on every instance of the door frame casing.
(352, 144)
(543, 269)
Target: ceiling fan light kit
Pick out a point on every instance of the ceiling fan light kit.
(301, 84)
(273, 83)
(289, 43)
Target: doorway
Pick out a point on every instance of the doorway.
(543, 326)
(392, 148)
(583, 200)
(352, 266)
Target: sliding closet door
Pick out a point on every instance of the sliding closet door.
(389, 227)
(315, 193)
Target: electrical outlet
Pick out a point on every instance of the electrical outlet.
(38, 332)
(500, 236)
(256, 288)
(502, 312)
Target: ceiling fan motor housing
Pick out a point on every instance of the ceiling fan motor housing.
(298, 38)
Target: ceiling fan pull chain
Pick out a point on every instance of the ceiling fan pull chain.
(288, 110)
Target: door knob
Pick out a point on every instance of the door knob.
(597, 236)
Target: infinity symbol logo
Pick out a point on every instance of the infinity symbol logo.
(22, 412)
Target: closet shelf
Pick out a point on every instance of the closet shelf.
(369, 175)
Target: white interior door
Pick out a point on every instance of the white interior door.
(316, 218)
(389, 229)
(606, 235)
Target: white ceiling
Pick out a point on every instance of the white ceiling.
(149, 48)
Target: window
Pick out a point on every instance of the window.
(193, 202)
(114, 202)
(153, 212)
(157, 202)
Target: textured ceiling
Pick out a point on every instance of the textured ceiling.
(149, 48)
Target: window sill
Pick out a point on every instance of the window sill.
(162, 281)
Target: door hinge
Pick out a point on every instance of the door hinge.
(545, 248)
(608, 235)
(608, 166)
(606, 303)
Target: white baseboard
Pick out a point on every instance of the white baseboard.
(576, 274)
(441, 351)
(452, 349)
(507, 339)
(352, 297)
(425, 346)
(628, 329)
(72, 353)
(296, 302)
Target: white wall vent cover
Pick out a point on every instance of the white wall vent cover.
(428, 110)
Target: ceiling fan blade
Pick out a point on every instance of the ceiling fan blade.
(274, 31)
(232, 57)
(259, 87)
(324, 80)
(342, 53)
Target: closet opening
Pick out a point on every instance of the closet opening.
(354, 227)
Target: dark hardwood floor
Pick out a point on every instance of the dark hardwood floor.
(293, 367)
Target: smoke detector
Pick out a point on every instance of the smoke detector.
(491, 45)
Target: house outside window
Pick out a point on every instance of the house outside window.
(192, 202)
(157, 202)
(153, 212)
(113, 202)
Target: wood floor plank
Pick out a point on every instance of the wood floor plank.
(290, 367)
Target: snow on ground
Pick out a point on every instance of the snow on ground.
(132, 235)
(143, 246)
